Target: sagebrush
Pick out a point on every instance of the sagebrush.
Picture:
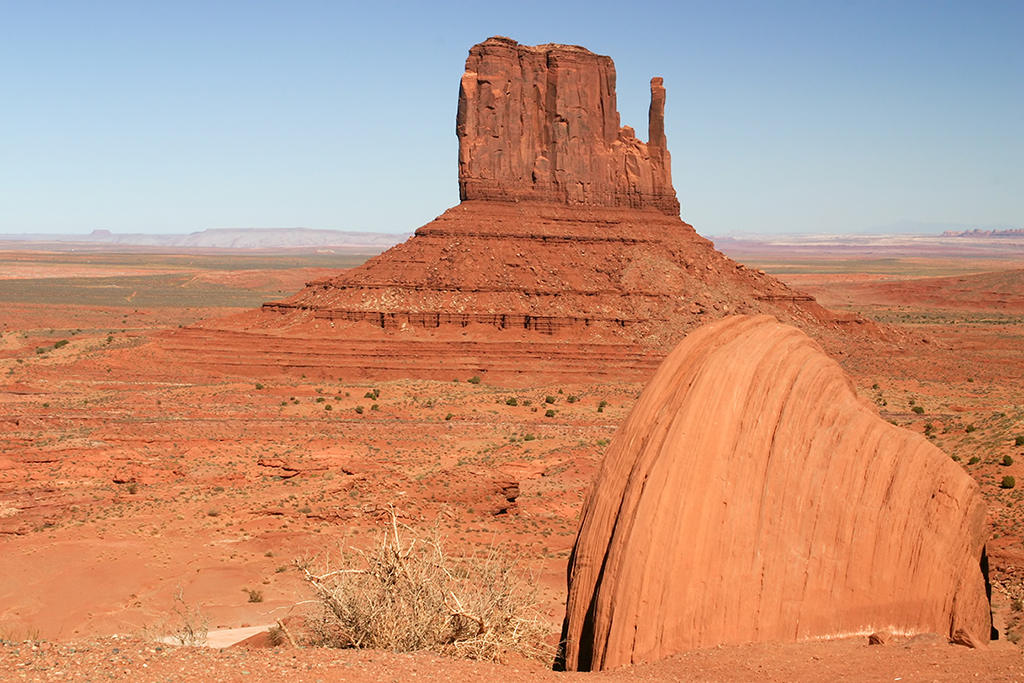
(405, 594)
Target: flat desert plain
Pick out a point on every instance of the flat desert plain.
(131, 486)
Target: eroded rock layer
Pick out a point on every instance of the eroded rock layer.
(751, 496)
(507, 290)
(541, 124)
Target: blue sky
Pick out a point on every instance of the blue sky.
(781, 117)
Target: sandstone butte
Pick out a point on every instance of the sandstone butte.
(752, 496)
(566, 258)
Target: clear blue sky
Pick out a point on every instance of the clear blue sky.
(782, 116)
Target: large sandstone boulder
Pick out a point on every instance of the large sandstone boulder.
(752, 496)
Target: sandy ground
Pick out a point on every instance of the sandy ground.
(125, 484)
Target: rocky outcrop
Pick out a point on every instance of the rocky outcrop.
(541, 124)
(751, 496)
(566, 258)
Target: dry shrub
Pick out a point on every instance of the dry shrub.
(405, 594)
(188, 627)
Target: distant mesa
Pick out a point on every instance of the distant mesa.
(751, 496)
(566, 257)
(298, 239)
(977, 232)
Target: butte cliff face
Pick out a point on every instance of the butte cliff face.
(541, 124)
(566, 258)
(751, 496)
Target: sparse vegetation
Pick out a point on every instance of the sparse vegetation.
(511, 401)
(918, 409)
(1018, 440)
(974, 460)
(359, 410)
(1007, 461)
(192, 625)
(475, 379)
(405, 594)
(254, 595)
(549, 413)
(1008, 482)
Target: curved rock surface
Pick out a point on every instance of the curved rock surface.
(752, 496)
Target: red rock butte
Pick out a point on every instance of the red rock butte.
(542, 124)
(565, 259)
(752, 496)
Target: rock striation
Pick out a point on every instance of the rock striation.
(752, 496)
(540, 123)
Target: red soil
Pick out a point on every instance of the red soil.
(113, 455)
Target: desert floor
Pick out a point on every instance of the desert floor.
(129, 487)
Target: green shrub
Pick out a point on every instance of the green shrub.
(258, 385)
(475, 379)
(550, 399)
(254, 595)
(1007, 461)
(974, 460)
(511, 401)
(571, 399)
(529, 437)
(359, 409)
(549, 413)
(1018, 441)
(375, 407)
(1008, 482)
(328, 407)
(918, 409)
(969, 428)
(62, 342)
(448, 416)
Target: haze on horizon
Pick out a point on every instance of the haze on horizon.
(781, 118)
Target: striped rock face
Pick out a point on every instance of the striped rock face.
(752, 496)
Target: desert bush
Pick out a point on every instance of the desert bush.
(511, 401)
(1018, 441)
(550, 399)
(1007, 461)
(969, 428)
(359, 409)
(475, 379)
(549, 413)
(1017, 605)
(254, 595)
(188, 626)
(1008, 482)
(974, 460)
(571, 399)
(918, 409)
(448, 416)
(406, 594)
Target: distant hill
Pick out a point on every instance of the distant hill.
(232, 238)
(928, 228)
